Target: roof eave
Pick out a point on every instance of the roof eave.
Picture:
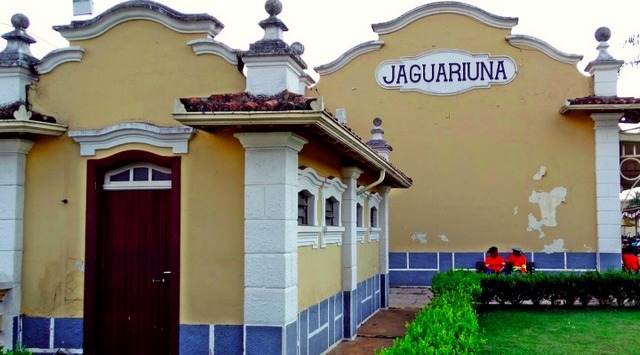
(595, 108)
(31, 127)
(319, 119)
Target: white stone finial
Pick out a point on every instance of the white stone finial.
(604, 68)
(602, 35)
(273, 7)
(377, 141)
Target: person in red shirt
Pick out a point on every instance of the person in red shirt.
(494, 262)
(516, 261)
(630, 260)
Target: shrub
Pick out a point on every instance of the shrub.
(19, 350)
(449, 324)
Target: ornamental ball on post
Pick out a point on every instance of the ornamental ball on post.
(20, 21)
(377, 121)
(273, 7)
(297, 48)
(603, 34)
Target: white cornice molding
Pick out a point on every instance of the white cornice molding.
(309, 236)
(334, 188)
(374, 200)
(202, 46)
(444, 7)
(176, 138)
(332, 235)
(374, 234)
(308, 177)
(360, 234)
(82, 30)
(348, 56)
(32, 127)
(58, 57)
(544, 47)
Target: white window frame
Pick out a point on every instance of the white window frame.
(374, 201)
(136, 185)
(309, 180)
(361, 231)
(333, 234)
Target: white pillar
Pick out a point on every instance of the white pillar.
(383, 220)
(13, 84)
(608, 189)
(350, 252)
(270, 241)
(13, 153)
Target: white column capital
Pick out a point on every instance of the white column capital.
(606, 119)
(15, 146)
(351, 173)
(261, 140)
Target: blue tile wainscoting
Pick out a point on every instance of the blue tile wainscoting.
(317, 329)
(417, 269)
(64, 336)
(321, 325)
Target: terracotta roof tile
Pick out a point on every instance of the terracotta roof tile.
(604, 100)
(244, 101)
(7, 110)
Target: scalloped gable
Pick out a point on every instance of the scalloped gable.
(140, 10)
(444, 7)
(544, 47)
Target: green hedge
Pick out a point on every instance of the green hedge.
(569, 289)
(17, 351)
(449, 324)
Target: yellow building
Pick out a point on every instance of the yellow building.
(163, 193)
(156, 200)
(479, 118)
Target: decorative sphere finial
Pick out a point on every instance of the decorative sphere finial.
(20, 21)
(273, 7)
(377, 121)
(297, 48)
(603, 34)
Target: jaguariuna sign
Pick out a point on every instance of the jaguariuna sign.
(446, 72)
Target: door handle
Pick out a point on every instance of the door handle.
(157, 281)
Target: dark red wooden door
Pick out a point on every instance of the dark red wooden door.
(134, 273)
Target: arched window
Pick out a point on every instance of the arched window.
(332, 212)
(373, 216)
(138, 176)
(305, 208)
(359, 215)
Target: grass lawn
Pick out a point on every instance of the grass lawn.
(557, 331)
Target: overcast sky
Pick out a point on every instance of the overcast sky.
(327, 28)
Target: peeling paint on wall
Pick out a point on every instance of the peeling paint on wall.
(444, 238)
(515, 210)
(421, 237)
(540, 174)
(548, 203)
(556, 247)
(589, 249)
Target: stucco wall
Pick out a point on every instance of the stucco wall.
(319, 274)
(473, 156)
(133, 73)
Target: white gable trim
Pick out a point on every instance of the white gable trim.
(348, 56)
(59, 56)
(176, 138)
(445, 7)
(544, 47)
(211, 46)
(105, 22)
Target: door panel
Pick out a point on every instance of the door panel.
(133, 272)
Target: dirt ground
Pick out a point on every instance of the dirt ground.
(380, 330)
